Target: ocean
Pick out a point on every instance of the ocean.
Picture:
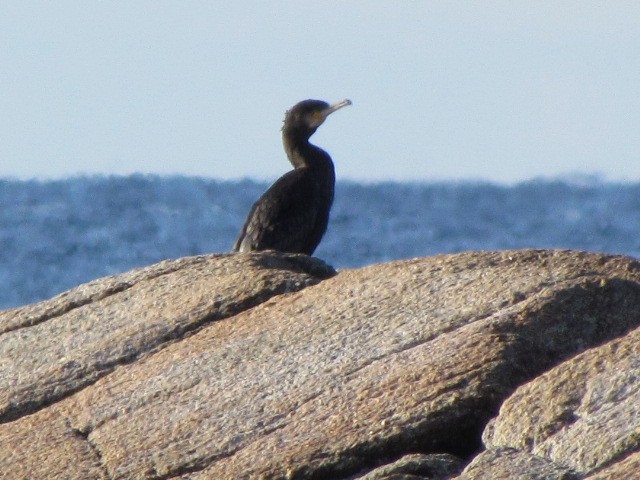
(57, 234)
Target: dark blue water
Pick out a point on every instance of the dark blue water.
(57, 234)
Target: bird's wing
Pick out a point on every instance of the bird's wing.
(283, 218)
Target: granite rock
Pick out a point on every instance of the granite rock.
(270, 366)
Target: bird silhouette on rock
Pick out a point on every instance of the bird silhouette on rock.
(292, 215)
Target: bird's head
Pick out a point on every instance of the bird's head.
(308, 115)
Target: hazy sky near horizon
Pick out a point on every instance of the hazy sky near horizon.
(496, 90)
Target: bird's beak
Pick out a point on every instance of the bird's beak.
(336, 106)
(319, 116)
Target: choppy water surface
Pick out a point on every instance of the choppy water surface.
(57, 234)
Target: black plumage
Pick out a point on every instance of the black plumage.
(292, 215)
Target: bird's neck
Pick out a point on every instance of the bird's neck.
(302, 153)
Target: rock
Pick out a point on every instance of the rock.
(625, 468)
(56, 347)
(510, 464)
(584, 413)
(250, 366)
(417, 467)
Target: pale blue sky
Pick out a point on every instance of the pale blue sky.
(503, 91)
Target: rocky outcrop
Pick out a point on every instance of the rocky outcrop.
(582, 414)
(517, 364)
(434, 466)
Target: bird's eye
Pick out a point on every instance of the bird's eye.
(316, 118)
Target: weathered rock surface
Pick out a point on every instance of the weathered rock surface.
(513, 464)
(51, 349)
(584, 413)
(436, 466)
(267, 366)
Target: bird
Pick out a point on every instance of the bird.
(293, 214)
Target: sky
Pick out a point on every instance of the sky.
(502, 91)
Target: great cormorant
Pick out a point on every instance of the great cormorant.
(292, 215)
